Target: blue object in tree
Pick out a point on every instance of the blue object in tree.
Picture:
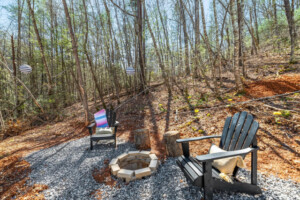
(130, 70)
(26, 69)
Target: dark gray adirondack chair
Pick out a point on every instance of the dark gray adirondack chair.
(238, 139)
(111, 119)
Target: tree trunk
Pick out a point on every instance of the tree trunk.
(97, 85)
(19, 48)
(49, 78)
(197, 38)
(82, 90)
(111, 54)
(218, 59)
(185, 35)
(165, 31)
(210, 52)
(240, 8)
(255, 22)
(172, 147)
(276, 23)
(15, 74)
(228, 43)
(291, 23)
(141, 52)
(142, 139)
(161, 64)
(238, 81)
(251, 31)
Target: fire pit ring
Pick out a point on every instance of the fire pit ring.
(134, 165)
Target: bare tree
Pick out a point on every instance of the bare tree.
(256, 21)
(218, 57)
(98, 86)
(185, 35)
(161, 64)
(14, 73)
(49, 79)
(210, 51)
(291, 22)
(81, 86)
(237, 76)
(141, 44)
(197, 37)
(240, 8)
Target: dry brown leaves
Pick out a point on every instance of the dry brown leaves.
(13, 128)
(281, 85)
(280, 143)
(103, 175)
(14, 171)
(97, 194)
(43, 137)
(14, 177)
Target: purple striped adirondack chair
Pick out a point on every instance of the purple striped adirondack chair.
(106, 127)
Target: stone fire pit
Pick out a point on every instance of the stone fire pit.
(134, 165)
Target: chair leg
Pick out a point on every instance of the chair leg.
(254, 168)
(115, 130)
(207, 175)
(185, 149)
(254, 163)
(91, 145)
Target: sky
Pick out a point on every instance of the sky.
(5, 21)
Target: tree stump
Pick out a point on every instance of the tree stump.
(172, 147)
(142, 139)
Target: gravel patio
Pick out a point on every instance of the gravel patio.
(67, 170)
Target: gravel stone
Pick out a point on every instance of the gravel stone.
(67, 170)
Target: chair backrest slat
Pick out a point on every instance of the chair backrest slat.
(101, 119)
(111, 117)
(244, 132)
(231, 130)
(225, 130)
(237, 131)
(251, 134)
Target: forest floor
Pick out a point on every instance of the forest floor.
(278, 136)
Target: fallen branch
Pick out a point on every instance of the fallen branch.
(147, 89)
(275, 108)
(289, 121)
(245, 102)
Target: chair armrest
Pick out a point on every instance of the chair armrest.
(215, 156)
(117, 123)
(197, 138)
(91, 125)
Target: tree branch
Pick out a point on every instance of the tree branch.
(122, 9)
